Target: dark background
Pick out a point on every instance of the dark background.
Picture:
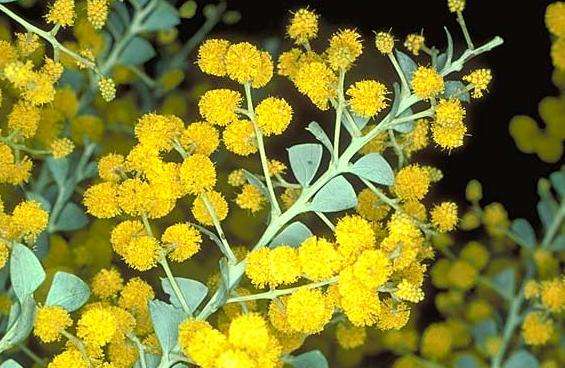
(521, 66)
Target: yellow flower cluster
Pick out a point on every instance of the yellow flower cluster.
(27, 221)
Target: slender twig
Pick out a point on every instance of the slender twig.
(227, 249)
(276, 293)
(338, 114)
(326, 220)
(554, 227)
(397, 148)
(36, 359)
(140, 350)
(465, 31)
(405, 90)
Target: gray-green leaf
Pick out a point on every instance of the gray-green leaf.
(26, 271)
(407, 65)
(304, 161)
(320, 135)
(10, 363)
(137, 52)
(521, 359)
(68, 291)
(523, 233)
(456, 89)
(59, 168)
(311, 359)
(193, 291)
(72, 217)
(336, 195)
(292, 235)
(504, 283)
(164, 17)
(166, 319)
(375, 168)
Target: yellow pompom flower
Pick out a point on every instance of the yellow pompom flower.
(354, 234)
(69, 358)
(476, 254)
(345, 48)
(142, 253)
(368, 98)
(384, 42)
(495, 218)
(412, 183)
(318, 82)
(62, 13)
(237, 178)
(372, 268)
(289, 63)
(158, 131)
(449, 136)
(257, 267)
(319, 259)
(350, 337)
(107, 89)
(264, 71)
(136, 295)
(409, 292)
(110, 167)
(24, 118)
(480, 80)
(456, 6)
(202, 343)
(107, 283)
(537, 329)
(96, 326)
(308, 311)
(552, 295)
(414, 43)
(183, 240)
(123, 233)
(243, 62)
(62, 147)
(427, 83)
(360, 305)
(531, 289)
(232, 358)
(197, 174)
(250, 198)
(284, 266)
(97, 12)
(555, 18)
(461, 275)
(249, 332)
(101, 200)
(303, 26)
(50, 321)
(218, 106)
(370, 207)
(449, 112)
(28, 220)
(273, 115)
(200, 137)
(436, 341)
(393, 315)
(219, 204)
(239, 138)
(212, 57)
(444, 216)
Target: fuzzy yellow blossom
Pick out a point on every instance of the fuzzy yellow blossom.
(62, 147)
(555, 18)
(427, 83)
(480, 80)
(449, 136)
(50, 321)
(239, 138)
(436, 341)
(123, 233)
(284, 266)
(219, 204)
(101, 200)
(96, 326)
(444, 216)
(107, 89)
(276, 167)
(257, 267)
(212, 57)
(264, 71)
(370, 207)
(354, 235)
(184, 241)
(531, 289)
(250, 198)
(234, 358)
(62, 13)
(243, 62)
(237, 178)
(201, 342)
(218, 106)
(418, 138)
(69, 358)
(249, 332)
(552, 295)
(142, 253)
(412, 183)
(135, 296)
(200, 137)
(367, 98)
(476, 254)
(393, 315)
(350, 337)
(372, 268)
(158, 131)
(409, 292)
(107, 283)
(537, 329)
(319, 259)
(414, 43)
(318, 82)
(345, 48)
(54, 70)
(110, 167)
(495, 219)
(303, 26)
(97, 12)
(308, 311)
(273, 115)
(456, 6)
(24, 118)
(360, 304)
(27, 43)
(384, 42)
(461, 275)
(28, 220)
(197, 174)
(289, 63)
